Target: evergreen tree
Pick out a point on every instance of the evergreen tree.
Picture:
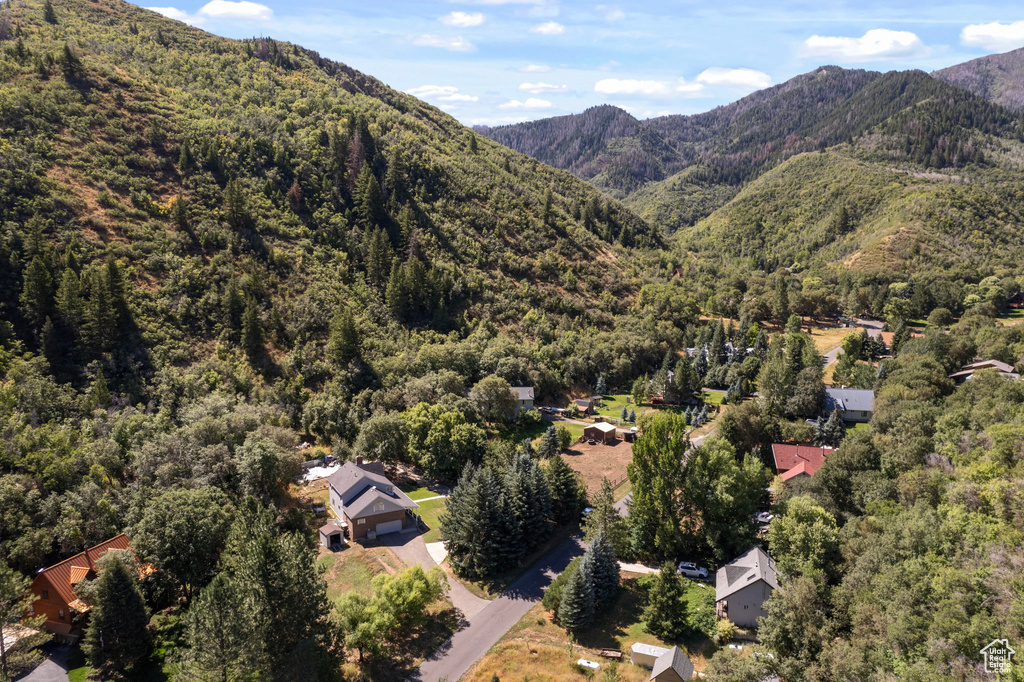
(576, 610)
(566, 500)
(549, 446)
(378, 257)
(600, 387)
(70, 64)
(605, 518)
(516, 513)
(470, 526)
(606, 569)
(369, 199)
(665, 615)
(234, 306)
(398, 292)
(37, 293)
(343, 343)
(252, 330)
(632, 416)
(15, 599)
(831, 431)
(179, 213)
(216, 634)
(49, 340)
(624, 414)
(49, 15)
(99, 394)
(236, 210)
(69, 302)
(116, 638)
(545, 212)
(99, 326)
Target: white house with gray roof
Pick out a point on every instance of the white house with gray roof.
(367, 503)
(524, 397)
(743, 585)
(854, 404)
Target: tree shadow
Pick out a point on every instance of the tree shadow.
(414, 644)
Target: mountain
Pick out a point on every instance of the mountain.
(222, 175)
(702, 161)
(998, 78)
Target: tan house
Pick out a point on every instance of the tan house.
(743, 585)
(55, 585)
(524, 397)
(367, 503)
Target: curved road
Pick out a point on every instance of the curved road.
(468, 645)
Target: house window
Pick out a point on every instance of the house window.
(46, 594)
(360, 522)
(60, 614)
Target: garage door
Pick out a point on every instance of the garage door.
(389, 527)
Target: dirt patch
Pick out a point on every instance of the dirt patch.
(594, 462)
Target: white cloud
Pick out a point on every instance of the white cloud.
(226, 9)
(457, 44)
(878, 43)
(463, 19)
(995, 36)
(537, 88)
(549, 28)
(534, 68)
(441, 93)
(611, 13)
(747, 79)
(530, 103)
(178, 15)
(690, 89)
(617, 86)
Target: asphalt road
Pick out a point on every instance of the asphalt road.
(53, 668)
(468, 645)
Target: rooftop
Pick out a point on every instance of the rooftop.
(747, 568)
(65, 575)
(676, 660)
(808, 458)
(855, 399)
(523, 392)
(364, 489)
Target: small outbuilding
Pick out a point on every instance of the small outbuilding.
(602, 431)
(672, 666)
(646, 655)
(332, 536)
(584, 406)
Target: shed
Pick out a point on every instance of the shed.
(672, 666)
(601, 431)
(584, 406)
(646, 654)
(332, 536)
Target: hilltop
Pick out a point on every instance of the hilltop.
(997, 77)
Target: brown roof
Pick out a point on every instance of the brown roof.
(809, 459)
(62, 576)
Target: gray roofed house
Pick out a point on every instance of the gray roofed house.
(966, 372)
(743, 585)
(854, 404)
(524, 397)
(368, 502)
(672, 666)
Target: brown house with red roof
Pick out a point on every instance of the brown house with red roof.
(54, 587)
(798, 460)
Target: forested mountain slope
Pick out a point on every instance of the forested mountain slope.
(221, 177)
(717, 152)
(996, 77)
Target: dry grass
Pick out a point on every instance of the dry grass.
(594, 462)
(827, 338)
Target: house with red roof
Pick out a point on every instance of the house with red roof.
(55, 585)
(798, 460)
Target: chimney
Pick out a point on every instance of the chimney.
(359, 460)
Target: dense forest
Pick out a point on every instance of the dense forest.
(213, 250)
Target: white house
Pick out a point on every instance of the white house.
(743, 585)
(524, 397)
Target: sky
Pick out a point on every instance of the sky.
(494, 62)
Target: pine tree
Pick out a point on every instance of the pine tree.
(99, 326)
(215, 633)
(576, 610)
(545, 212)
(48, 13)
(69, 302)
(625, 413)
(179, 213)
(49, 340)
(369, 199)
(234, 306)
(70, 64)
(606, 568)
(116, 638)
(471, 526)
(252, 330)
(16, 598)
(37, 292)
(398, 292)
(549, 444)
(833, 431)
(600, 387)
(236, 210)
(99, 394)
(565, 491)
(343, 343)
(514, 504)
(378, 257)
(665, 614)
(541, 501)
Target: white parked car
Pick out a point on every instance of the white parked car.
(584, 663)
(764, 517)
(692, 570)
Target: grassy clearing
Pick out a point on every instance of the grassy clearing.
(827, 338)
(713, 396)
(858, 426)
(538, 649)
(416, 492)
(353, 568)
(517, 434)
(612, 405)
(430, 512)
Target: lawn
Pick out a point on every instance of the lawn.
(538, 649)
(353, 568)
(851, 427)
(429, 513)
(416, 492)
(713, 396)
(827, 338)
(612, 405)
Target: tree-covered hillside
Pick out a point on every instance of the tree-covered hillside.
(696, 164)
(996, 77)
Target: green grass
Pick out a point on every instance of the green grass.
(714, 397)
(429, 512)
(851, 427)
(348, 571)
(613, 403)
(516, 434)
(416, 492)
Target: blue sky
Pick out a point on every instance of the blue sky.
(502, 61)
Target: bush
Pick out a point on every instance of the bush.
(553, 594)
(724, 631)
(529, 417)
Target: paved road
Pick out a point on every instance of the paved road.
(53, 668)
(410, 548)
(831, 356)
(468, 645)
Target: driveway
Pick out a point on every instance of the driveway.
(831, 356)
(468, 645)
(54, 667)
(410, 548)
